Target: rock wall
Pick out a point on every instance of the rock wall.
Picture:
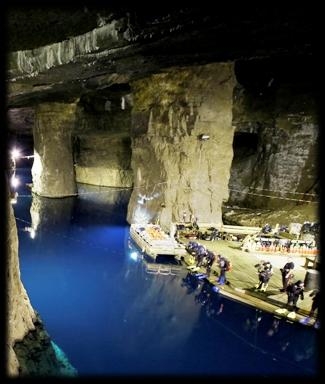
(276, 148)
(175, 171)
(104, 159)
(29, 349)
(52, 171)
(39, 356)
(20, 314)
(102, 144)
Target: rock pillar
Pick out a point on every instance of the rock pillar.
(53, 172)
(20, 314)
(182, 139)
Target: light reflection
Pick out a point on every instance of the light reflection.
(31, 231)
(134, 255)
(14, 181)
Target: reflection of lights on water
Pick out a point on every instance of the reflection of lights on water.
(134, 255)
(31, 231)
(14, 181)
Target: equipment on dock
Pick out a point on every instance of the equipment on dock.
(200, 275)
(312, 279)
(152, 240)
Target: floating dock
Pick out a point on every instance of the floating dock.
(152, 240)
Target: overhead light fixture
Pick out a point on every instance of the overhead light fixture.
(203, 137)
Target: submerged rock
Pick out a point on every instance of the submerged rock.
(38, 355)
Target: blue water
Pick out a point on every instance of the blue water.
(111, 317)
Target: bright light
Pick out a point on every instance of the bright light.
(14, 181)
(32, 232)
(134, 255)
(122, 103)
(15, 153)
(203, 137)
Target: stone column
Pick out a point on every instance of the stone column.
(182, 138)
(53, 172)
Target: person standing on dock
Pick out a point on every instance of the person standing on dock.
(194, 223)
(210, 260)
(265, 271)
(223, 264)
(214, 234)
(287, 274)
(294, 291)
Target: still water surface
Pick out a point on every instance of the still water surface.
(110, 316)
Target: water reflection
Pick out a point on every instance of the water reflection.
(289, 344)
(47, 213)
(103, 203)
(111, 313)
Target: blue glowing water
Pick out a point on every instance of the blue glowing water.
(110, 316)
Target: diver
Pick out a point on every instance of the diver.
(265, 271)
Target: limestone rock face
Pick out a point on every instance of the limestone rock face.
(29, 349)
(20, 314)
(175, 171)
(52, 171)
(104, 159)
(101, 139)
(39, 356)
(275, 149)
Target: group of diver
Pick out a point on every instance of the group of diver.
(206, 258)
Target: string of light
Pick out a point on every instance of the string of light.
(274, 197)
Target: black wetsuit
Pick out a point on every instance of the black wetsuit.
(293, 292)
(286, 275)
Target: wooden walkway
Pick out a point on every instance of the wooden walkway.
(242, 279)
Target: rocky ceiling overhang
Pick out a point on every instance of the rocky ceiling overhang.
(60, 54)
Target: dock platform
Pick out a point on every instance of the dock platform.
(242, 279)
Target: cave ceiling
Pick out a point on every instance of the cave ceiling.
(147, 40)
